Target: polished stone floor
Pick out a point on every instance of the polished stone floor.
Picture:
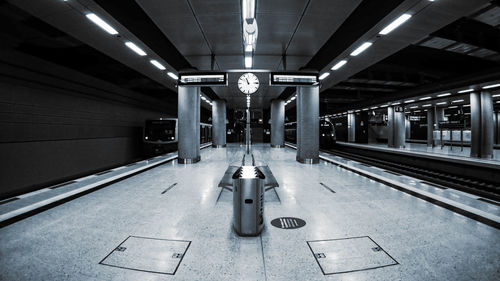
(175, 219)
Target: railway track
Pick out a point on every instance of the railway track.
(484, 188)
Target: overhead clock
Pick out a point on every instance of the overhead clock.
(248, 83)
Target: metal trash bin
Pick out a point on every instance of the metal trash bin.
(248, 201)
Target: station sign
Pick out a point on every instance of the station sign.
(293, 79)
(202, 79)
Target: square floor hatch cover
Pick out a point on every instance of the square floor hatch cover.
(349, 254)
(148, 254)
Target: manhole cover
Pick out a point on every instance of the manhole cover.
(288, 223)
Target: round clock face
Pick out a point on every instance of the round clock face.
(248, 83)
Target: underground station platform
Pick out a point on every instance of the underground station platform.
(321, 222)
(250, 140)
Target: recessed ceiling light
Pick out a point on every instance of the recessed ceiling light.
(173, 76)
(248, 9)
(444, 95)
(361, 48)
(324, 75)
(157, 64)
(135, 48)
(101, 23)
(466, 91)
(395, 24)
(248, 61)
(425, 98)
(408, 101)
(339, 64)
(491, 86)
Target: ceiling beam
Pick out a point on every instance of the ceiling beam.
(472, 32)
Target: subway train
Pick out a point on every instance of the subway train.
(327, 136)
(161, 135)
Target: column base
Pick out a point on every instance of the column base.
(277, 146)
(218, 145)
(188, 160)
(308, 160)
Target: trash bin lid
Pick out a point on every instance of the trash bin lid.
(248, 172)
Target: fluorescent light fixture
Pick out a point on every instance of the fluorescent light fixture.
(203, 98)
(491, 86)
(425, 98)
(324, 75)
(365, 109)
(396, 103)
(496, 96)
(395, 24)
(452, 106)
(248, 9)
(375, 107)
(361, 48)
(173, 76)
(408, 101)
(157, 64)
(248, 61)
(466, 91)
(426, 105)
(466, 105)
(416, 106)
(385, 105)
(293, 98)
(416, 111)
(454, 101)
(444, 95)
(102, 24)
(248, 48)
(339, 64)
(441, 103)
(135, 48)
(498, 101)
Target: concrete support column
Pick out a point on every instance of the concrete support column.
(482, 127)
(438, 116)
(396, 127)
(308, 124)
(189, 124)
(497, 127)
(407, 127)
(351, 127)
(430, 127)
(219, 123)
(277, 123)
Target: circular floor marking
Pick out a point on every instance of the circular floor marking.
(288, 223)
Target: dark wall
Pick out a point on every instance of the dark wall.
(57, 124)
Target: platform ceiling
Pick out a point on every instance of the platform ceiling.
(444, 40)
